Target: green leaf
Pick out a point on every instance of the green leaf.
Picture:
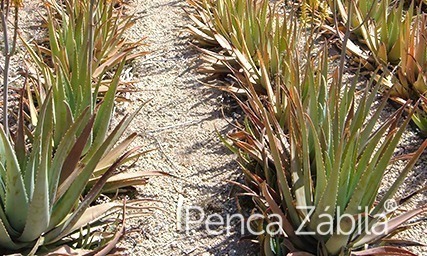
(105, 111)
(16, 201)
(39, 209)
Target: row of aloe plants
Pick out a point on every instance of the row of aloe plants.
(307, 141)
(63, 152)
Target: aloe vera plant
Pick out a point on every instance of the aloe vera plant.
(69, 28)
(77, 67)
(42, 188)
(86, 43)
(379, 25)
(255, 39)
(326, 159)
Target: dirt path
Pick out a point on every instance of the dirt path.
(180, 122)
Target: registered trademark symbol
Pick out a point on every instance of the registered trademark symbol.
(390, 205)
